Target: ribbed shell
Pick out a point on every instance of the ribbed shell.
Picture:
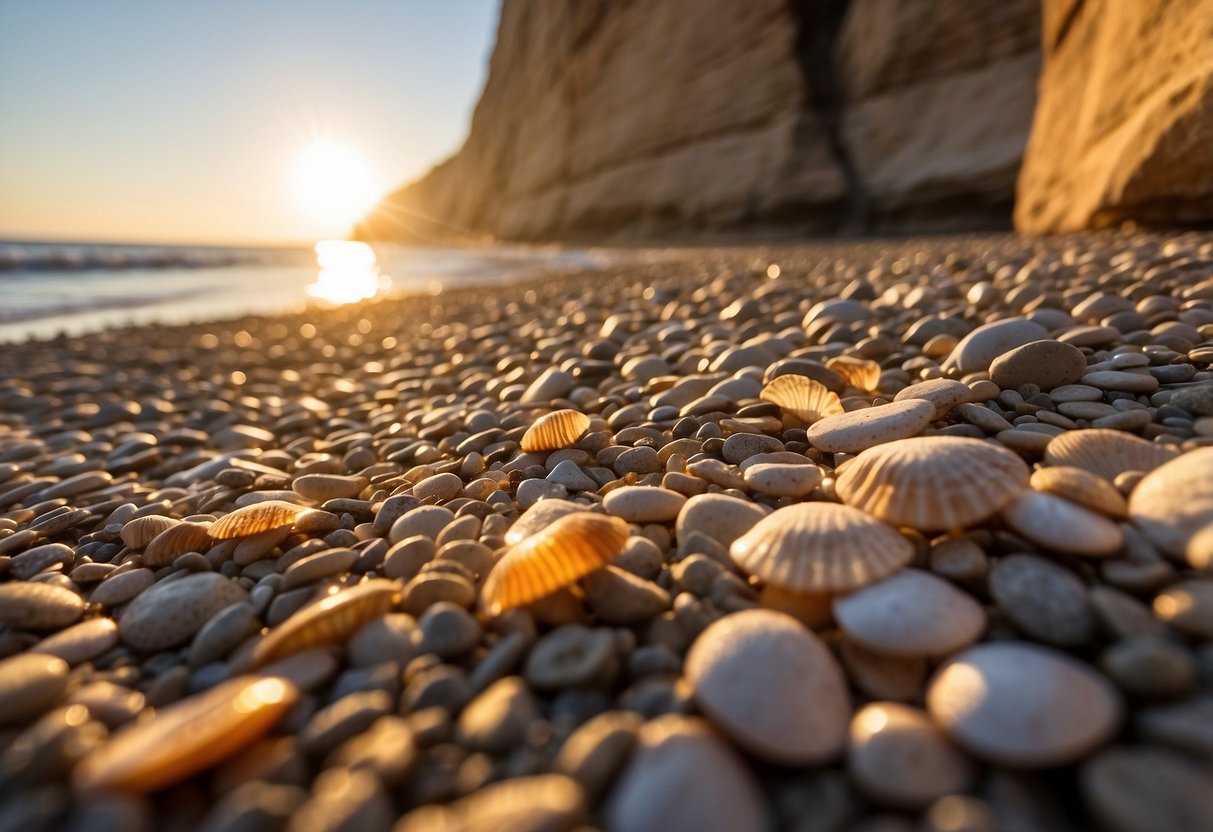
(820, 547)
(257, 518)
(556, 430)
(539, 516)
(176, 540)
(1080, 486)
(140, 531)
(933, 483)
(807, 399)
(1106, 453)
(859, 372)
(552, 559)
(186, 738)
(329, 621)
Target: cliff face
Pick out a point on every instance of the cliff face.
(670, 118)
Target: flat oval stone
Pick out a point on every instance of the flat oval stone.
(171, 613)
(120, 588)
(859, 430)
(642, 504)
(718, 516)
(570, 656)
(1063, 526)
(771, 685)
(782, 480)
(81, 642)
(1121, 381)
(1023, 705)
(38, 606)
(1147, 790)
(681, 776)
(1188, 607)
(985, 343)
(1047, 364)
(30, 684)
(943, 393)
(1046, 601)
(912, 613)
(1174, 502)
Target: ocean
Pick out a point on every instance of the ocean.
(51, 288)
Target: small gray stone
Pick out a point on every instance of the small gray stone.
(1047, 364)
(497, 721)
(169, 614)
(1046, 601)
(571, 656)
(448, 630)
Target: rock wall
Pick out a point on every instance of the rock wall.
(608, 119)
(1124, 129)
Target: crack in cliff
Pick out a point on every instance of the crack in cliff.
(819, 23)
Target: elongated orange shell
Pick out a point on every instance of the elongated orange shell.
(1081, 486)
(176, 540)
(933, 483)
(820, 548)
(552, 559)
(556, 430)
(858, 372)
(257, 518)
(538, 517)
(187, 737)
(331, 620)
(807, 399)
(139, 532)
(1106, 453)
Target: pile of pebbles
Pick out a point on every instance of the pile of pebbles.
(953, 575)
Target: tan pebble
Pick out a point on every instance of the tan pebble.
(771, 719)
(1063, 526)
(81, 642)
(320, 488)
(122, 587)
(912, 613)
(881, 676)
(1080, 486)
(782, 480)
(552, 431)
(1174, 502)
(331, 620)
(979, 348)
(1023, 705)
(1047, 364)
(39, 606)
(944, 393)
(718, 516)
(186, 738)
(861, 429)
(1188, 607)
(30, 684)
(641, 504)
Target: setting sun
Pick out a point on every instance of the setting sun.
(333, 183)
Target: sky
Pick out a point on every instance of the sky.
(191, 120)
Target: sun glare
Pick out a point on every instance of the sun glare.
(348, 272)
(333, 183)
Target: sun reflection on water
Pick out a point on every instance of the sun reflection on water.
(348, 272)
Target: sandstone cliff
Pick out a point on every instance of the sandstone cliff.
(1124, 129)
(670, 118)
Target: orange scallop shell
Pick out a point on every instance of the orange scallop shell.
(140, 531)
(556, 430)
(807, 399)
(1106, 453)
(177, 540)
(330, 620)
(552, 559)
(858, 372)
(257, 518)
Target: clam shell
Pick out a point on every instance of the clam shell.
(1062, 526)
(187, 737)
(805, 398)
(820, 547)
(257, 518)
(177, 540)
(329, 621)
(1080, 486)
(859, 372)
(1106, 453)
(1174, 503)
(556, 430)
(140, 531)
(554, 558)
(933, 483)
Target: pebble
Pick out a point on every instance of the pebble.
(81, 642)
(539, 803)
(912, 614)
(1143, 789)
(30, 685)
(34, 606)
(642, 504)
(122, 587)
(862, 429)
(982, 345)
(1043, 600)
(344, 719)
(448, 630)
(596, 751)
(1149, 667)
(717, 516)
(769, 718)
(571, 656)
(427, 521)
(1188, 607)
(169, 614)
(944, 393)
(741, 446)
(620, 597)
(221, 633)
(1121, 381)
(1047, 364)
(499, 719)
(1062, 526)
(1022, 705)
(781, 480)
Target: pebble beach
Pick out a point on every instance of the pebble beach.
(890, 536)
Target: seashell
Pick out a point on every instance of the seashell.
(554, 558)
(1174, 503)
(330, 620)
(1106, 453)
(187, 737)
(933, 483)
(539, 516)
(862, 373)
(556, 430)
(176, 540)
(820, 548)
(1062, 526)
(1080, 486)
(805, 398)
(140, 531)
(257, 518)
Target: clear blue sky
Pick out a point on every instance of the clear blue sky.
(183, 120)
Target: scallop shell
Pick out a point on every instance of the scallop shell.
(538, 517)
(556, 430)
(933, 483)
(1174, 503)
(139, 532)
(257, 518)
(820, 547)
(177, 540)
(187, 737)
(858, 372)
(803, 397)
(1106, 453)
(329, 621)
(554, 558)
(1080, 486)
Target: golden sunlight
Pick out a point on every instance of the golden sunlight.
(333, 183)
(348, 272)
